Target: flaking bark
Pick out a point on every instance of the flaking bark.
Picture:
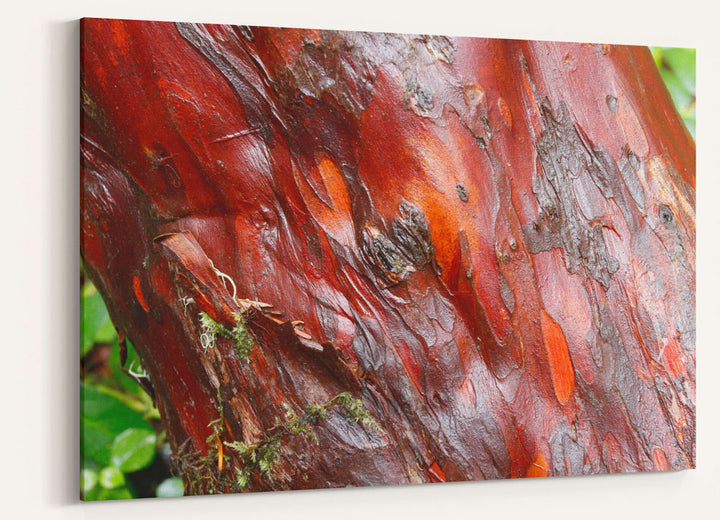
(490, 243)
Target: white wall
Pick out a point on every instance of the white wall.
(39, 256)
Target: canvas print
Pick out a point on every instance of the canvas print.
(318, 259)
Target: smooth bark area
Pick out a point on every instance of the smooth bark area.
(490, 243)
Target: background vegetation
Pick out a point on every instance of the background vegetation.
(677, 67)
(122, 444)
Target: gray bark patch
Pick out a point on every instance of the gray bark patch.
(565, 154)
(405, 248)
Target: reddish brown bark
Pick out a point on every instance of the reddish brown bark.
(491, 243)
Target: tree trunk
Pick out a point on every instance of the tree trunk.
(489, 243)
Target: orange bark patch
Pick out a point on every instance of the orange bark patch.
(632, 127)
(561, 367)
(334, 183)
(672, 357)
(332, 211)
(505, 113)
(538, 468)
(572, 311)
(661, 461)
(220, 453)
(139, 294)
(436, 473)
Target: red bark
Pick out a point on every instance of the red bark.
(490, 242)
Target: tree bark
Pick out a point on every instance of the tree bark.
(490, 243)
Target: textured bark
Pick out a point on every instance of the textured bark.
(491, 243)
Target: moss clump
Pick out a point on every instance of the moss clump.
(210, 474)
(240, 335)
(203, 474)
(264, 454)
(355, 408)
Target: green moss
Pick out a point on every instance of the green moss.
(218, 425)
(242, 338)
(355, 408)
(240, 335)
(263, 455)
(201, 473)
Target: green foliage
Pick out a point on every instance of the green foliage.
(111, 477)
(106, 483)
(170, 487)
(117, 417)
(133, 449)
(96, 326)
(102, 493)
(104, 416)
(107, 443)
(677, 68)
(88, 479)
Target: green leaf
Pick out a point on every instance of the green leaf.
(680, 95)
(120, 493)
(106, 333)
(94, 317)
(682, 63)
(170, 487)
(677, 68)
(89, 464)
(102, 418)
(88, 480)
(111, 477)
(133, 449)
(657, 54)
(690, 123)
(91, 494)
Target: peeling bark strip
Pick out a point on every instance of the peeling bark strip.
(355, 259)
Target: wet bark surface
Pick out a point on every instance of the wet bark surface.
(490, 243)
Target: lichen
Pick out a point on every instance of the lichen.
(240, 335)
(209, 329)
